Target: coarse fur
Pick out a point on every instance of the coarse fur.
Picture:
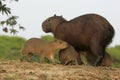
(69, 56)
(42, 48)
(89, 32)
(106, 62)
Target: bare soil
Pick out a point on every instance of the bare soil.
(15, 70)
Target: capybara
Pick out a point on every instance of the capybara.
(69, 56)
(89, 32)
(106, 62)
(42, 48)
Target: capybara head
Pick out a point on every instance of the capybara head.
(50, 23)
(59, 44)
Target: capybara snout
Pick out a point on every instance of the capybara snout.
(60, 44)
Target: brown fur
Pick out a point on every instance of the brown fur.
(106, 62)
(69, 56)
(90, 32)
(41, 47)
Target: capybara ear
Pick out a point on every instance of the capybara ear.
(61, 16)
(54, 15)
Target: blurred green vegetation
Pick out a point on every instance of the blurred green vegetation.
(115, 53)
(10, 47)
(47, 37)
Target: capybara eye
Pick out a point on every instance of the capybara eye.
(60, 42)
(48, 20)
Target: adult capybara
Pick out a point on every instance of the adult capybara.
(42, 48)
(89, 32)
(106, 62)
(69, 56)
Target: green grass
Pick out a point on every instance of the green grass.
(115, 53)
(10, 48)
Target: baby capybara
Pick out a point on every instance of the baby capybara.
(69, 56)
(107, 60)
(42, 48)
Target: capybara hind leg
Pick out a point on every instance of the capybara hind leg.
(98, 51)
(99, 57)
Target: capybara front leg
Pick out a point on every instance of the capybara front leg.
(21, 56)
(41, 58)
(29, 56)
(52, 58)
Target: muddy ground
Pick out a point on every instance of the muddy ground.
(15, 70)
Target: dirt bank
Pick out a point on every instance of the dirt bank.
(15, 70)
